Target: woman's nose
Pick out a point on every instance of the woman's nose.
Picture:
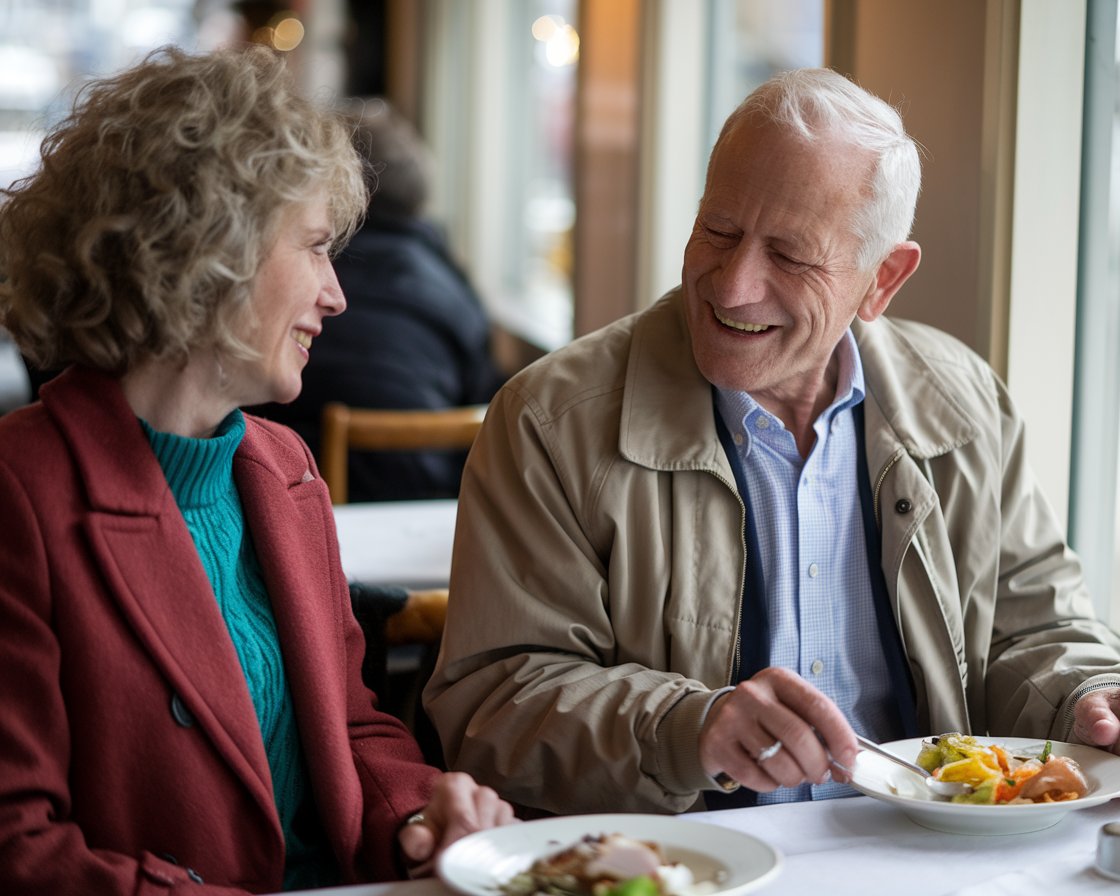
(331, 297)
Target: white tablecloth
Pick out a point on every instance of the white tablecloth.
(405, 543)
(862, 847)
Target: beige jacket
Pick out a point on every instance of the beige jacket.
(598, 570)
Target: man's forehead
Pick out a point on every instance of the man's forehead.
(806, 181)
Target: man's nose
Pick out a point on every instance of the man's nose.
(742, 279)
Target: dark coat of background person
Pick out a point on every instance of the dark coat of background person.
(415, 333)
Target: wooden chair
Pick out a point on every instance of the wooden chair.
(396, 624)
(346, 428)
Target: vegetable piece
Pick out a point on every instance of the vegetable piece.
(643, 885)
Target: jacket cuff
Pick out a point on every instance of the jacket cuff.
(1063, 723)
(678, 743)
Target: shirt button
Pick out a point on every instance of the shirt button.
(738, 438)
(817, 668)
(813, 570)
(903, 506)
(763, 423)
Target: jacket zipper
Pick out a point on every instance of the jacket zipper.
(736, 656)
(879, 484)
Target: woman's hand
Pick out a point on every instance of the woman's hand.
(459, 806)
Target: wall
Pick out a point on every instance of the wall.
(993, 91)
(928, 61)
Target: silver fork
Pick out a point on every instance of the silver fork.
(939, 788)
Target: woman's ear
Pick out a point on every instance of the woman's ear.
(893, 271)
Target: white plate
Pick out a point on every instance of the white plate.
(882, 779)
(480, 863)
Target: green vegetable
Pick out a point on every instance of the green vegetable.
(984, 795)
(643, 885)
(1046, 751)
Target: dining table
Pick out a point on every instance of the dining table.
(856, 846)
(860, 846)
(406, 543)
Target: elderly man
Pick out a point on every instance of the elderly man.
(706, 545)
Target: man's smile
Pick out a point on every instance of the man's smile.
(739, 325)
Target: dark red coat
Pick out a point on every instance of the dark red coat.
(127, 734)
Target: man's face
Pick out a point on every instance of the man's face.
(770, 275)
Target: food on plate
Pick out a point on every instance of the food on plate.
(997, 776)
(606, 865)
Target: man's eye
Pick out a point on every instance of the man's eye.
(721, 238)
(790, 264)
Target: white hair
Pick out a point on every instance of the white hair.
(817, 102)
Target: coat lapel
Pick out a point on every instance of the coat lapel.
(288, 512)
(140, 541)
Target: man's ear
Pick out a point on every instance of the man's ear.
(893, 271)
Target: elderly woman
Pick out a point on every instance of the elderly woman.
(181, 701)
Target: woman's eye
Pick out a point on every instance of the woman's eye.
(322, 248)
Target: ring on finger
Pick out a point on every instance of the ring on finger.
(769, 752)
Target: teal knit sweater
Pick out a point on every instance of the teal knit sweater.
(200, 474)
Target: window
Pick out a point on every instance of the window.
(500, 79)
(1094, 500)
(47, 50)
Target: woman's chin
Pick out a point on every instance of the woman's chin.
(286, 392)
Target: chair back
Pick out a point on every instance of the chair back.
(373, 429)
(406, 625)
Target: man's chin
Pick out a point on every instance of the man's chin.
(724, 373)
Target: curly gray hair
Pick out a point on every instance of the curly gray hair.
(157, 200)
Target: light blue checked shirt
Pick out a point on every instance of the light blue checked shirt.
(809, 525)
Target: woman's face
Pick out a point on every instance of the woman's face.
(294, 290)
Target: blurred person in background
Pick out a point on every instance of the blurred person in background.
(416, 334)
(182, 703)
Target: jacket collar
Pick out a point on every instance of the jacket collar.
(107, 443)
(913, 399)
(117, 465)
(668, 420)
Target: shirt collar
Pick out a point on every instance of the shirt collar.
(736, 406)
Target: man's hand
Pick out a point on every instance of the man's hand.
(1096, 719)
(777, 706)
(459, 806)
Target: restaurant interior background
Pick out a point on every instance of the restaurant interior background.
(571, 137)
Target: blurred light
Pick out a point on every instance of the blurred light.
(546, 26)
(148, 27)
(262, 35)
(287, 33)
(562, 48)
(29, 78)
